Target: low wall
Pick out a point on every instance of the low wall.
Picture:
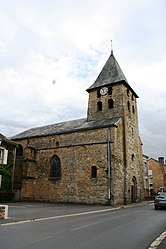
(3, 211)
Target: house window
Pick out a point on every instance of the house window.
(98, 93)
(55, 167)
(110, 103)
(1, 153)
(3, 156)
(99, 106)
(94, 171)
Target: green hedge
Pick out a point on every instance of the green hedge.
(6, 172)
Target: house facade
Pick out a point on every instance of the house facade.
(7, 162)
(94, 160)
(155, 175)
(3, 150)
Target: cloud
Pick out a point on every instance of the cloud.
(8, 32)
(52, 51)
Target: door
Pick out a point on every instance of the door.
(134, 190)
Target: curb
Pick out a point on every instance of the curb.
(58, 217)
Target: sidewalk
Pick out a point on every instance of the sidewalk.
(27, 211)
(23, 211)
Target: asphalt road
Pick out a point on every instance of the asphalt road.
(127, 228)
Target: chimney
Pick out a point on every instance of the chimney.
(161, 161)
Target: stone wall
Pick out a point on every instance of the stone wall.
(78, 152)
(116, 111)
(134, 167)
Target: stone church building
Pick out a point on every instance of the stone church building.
(94, 160)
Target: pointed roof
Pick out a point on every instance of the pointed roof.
(110, 74)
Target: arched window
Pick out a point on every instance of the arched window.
(98, 93)
(110, 103)
(132, 157)
(128, 92)
(110, 90)
(94, 171)
(55, 167)
(99, 106)
(57, 143)
(133, 109)
(128, 105)
(19, 150)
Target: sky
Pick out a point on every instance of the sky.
(51, 51)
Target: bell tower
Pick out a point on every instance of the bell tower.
(111, 97)
(107, 95)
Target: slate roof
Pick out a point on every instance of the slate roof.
(110, 74)
(5, 139)
(66, 127)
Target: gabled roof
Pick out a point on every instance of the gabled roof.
(5, 139)
(110, 74)
(66, 127)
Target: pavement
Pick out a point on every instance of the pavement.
(31, 211)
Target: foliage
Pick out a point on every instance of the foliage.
(6, 172)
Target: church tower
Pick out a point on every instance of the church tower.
(112, 98)
(109, 93)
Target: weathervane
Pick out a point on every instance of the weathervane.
(111, 47)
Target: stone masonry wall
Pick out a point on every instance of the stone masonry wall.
(134, 160)
(128, 160)
(118, 165)
(78, 152)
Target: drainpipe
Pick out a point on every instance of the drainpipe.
(109, 164)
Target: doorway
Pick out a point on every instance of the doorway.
(134, 190)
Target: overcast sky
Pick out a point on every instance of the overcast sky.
(51, 51)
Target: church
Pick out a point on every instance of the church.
(94, 160)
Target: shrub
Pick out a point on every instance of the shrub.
(6, 172)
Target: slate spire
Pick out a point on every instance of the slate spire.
(110, 74)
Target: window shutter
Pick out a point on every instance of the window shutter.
(5, 156)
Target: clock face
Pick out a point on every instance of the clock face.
(103, 91)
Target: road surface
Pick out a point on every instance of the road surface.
(125, 228)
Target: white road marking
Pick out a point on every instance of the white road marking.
(32, 242)
(157, 241)
(88, 225)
